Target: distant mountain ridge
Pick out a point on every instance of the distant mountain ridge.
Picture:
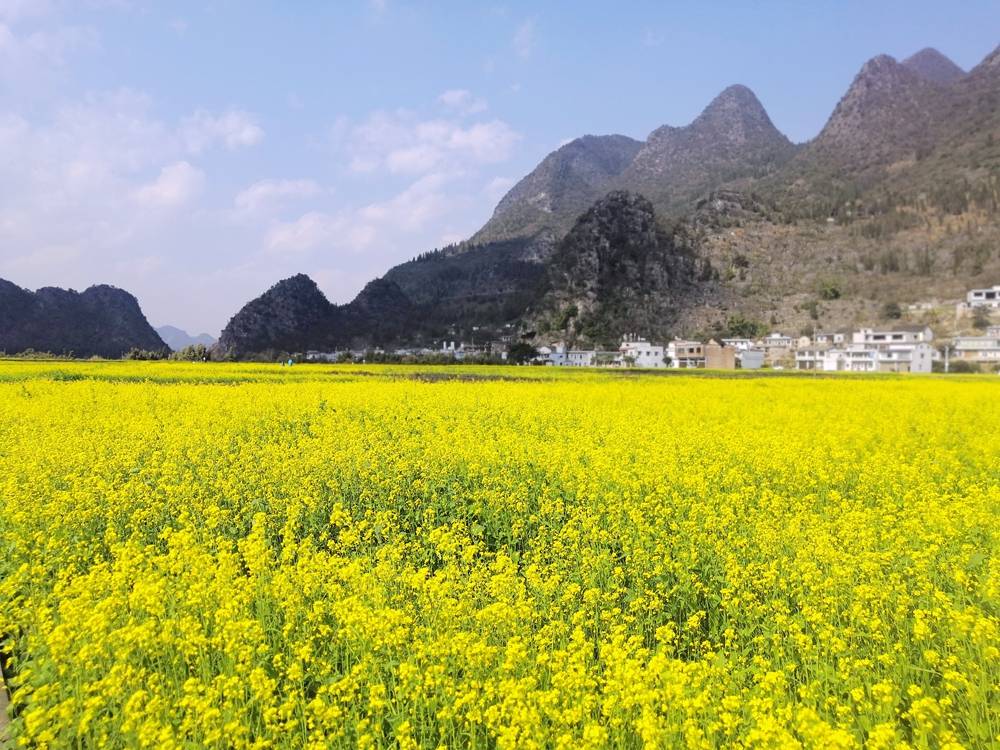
(101, 321)
(866, 209)
(177, 338)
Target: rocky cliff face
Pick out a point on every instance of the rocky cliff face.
(101, 321)
(618, 270)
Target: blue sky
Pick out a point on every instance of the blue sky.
(196, 152)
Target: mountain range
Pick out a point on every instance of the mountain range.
(177, 338)
(719, 225)
(896, 199)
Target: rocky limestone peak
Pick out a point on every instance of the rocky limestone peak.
(737, 115)
(278, 319)
(617, 269)
(566, 181)
(299, 285)
(933, 66)
(619, 219)
(885, 115)
(732, 139)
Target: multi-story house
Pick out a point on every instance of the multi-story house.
(638, 352)
(984, 297)
(981, 349)
(686, 354)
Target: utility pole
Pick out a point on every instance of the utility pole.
(947, 351)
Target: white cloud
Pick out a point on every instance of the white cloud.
(28, 59)
(462, 101)
(355, 230)
(15, 10)
(412, 209)
(263, 194)
(234, 129)
(524, 39)
(401, 143)
(305, 233)
(177, 185)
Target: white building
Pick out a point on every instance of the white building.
(740, 345)
(831, 338)
(638, 352)
(559, 356)
(981, 349)
(878, 338)
(776, 340)
(984, 297)
(581, 357)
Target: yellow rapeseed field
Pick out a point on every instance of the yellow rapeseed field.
(250, 556)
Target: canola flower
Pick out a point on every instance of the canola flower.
(240, 556)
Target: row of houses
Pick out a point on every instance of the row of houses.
(896, 349)
(902, 349)
(899, 349)
(635, 351)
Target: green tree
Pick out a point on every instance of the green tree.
(981, 318)
(521, 352)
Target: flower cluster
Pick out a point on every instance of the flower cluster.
(240, 556)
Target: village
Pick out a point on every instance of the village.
(898, 348)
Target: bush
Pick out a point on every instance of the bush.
(960, 367)
(829, 290)
(892, 311)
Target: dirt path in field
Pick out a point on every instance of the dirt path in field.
(4, 719)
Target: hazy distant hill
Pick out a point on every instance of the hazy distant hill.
(102, 320)
(177, 338)
(897, 199)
